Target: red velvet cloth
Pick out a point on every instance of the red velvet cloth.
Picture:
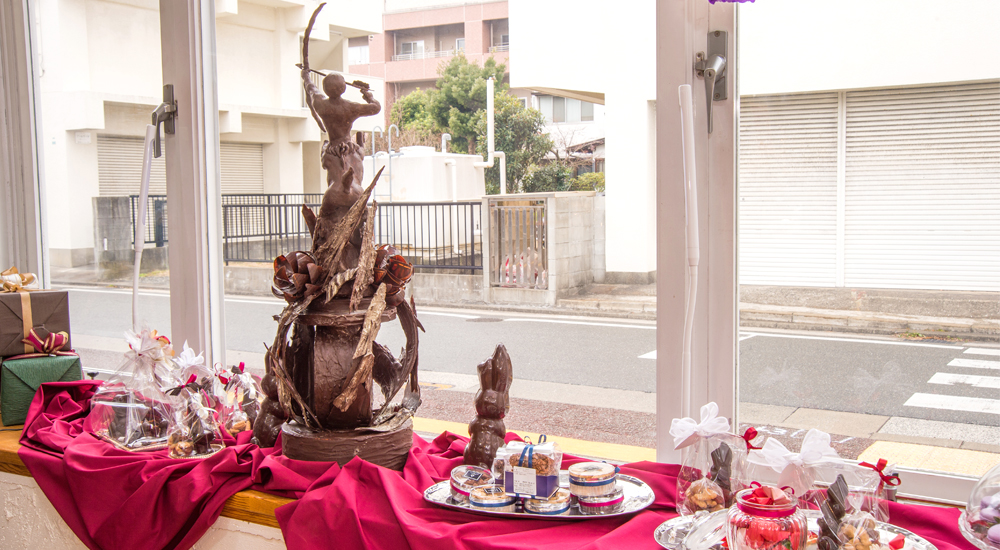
(117, 499)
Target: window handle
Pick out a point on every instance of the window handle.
(164, 113)
(712, 67)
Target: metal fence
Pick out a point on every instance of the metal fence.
(259, 227)
(253, 221)
(436, 235)
(518, 243)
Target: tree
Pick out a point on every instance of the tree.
(461, 98)
(412, 111)
(518, 134)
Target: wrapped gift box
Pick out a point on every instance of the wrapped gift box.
(20, 312)
(20, 378)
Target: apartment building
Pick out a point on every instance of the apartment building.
(420, 35)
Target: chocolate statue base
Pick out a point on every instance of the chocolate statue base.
(388, 449)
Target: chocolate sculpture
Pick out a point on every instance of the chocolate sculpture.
(324, 359)
(487, 431)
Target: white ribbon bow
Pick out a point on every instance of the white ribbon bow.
(815, 450)
(686, 431)
(188, 359)
(144, 345)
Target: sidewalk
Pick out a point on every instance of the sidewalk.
(973, 316)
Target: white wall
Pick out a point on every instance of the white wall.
(795, 46)
(100, 72)
(32, 522)
(609, 48)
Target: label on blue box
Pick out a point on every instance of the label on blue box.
(518, 484)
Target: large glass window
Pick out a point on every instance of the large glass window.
(869, 248)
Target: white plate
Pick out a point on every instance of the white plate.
(637, 495)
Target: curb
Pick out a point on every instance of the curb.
(751, 315)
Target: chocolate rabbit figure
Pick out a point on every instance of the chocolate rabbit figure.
(492, 403)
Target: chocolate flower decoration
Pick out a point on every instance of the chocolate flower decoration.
(392, 269)
(297, 276)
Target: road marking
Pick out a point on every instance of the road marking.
(954, 403)
(108, 291)
(562, 322)
(442, 314)
(974, 363)
(950, 379)
(650, 355)
(746, 336)
(983, 351)
(853, 340)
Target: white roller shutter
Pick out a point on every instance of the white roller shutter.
(788, 189)
(119, 166)
(242, 167)
(923, 188)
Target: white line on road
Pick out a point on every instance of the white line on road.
(442, 314)
(954, 403)
(650, 355)
(853, 340)
(974, 363)
(951, 379)
(746, 336)
(562, 322)
(983, 351)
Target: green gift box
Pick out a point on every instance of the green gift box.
(20, 379)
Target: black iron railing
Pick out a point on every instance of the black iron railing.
(259, 227)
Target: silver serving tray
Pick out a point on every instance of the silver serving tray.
(637, 495)
(704, 531)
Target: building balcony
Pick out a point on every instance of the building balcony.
(426, 55)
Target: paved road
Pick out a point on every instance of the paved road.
(933, 381)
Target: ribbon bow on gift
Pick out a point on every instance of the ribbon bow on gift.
(187, 358)
(147, 344)
(748, 437)
(13, 281)
(50, 345)
(879, 467)
(192, 385)
(686, 431)
(529, 450)
(767, 495)
(815, 450)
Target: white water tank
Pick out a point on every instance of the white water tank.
(419, 174)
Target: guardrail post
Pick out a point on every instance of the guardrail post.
(486, 236)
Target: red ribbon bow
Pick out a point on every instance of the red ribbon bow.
(51, 345)
(766, 495)
(892, 480)
(749, 436)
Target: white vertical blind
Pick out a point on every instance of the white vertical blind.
(923, 187)
(788, 189)
(119, 166)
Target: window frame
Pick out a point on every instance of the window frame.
(196, 299)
